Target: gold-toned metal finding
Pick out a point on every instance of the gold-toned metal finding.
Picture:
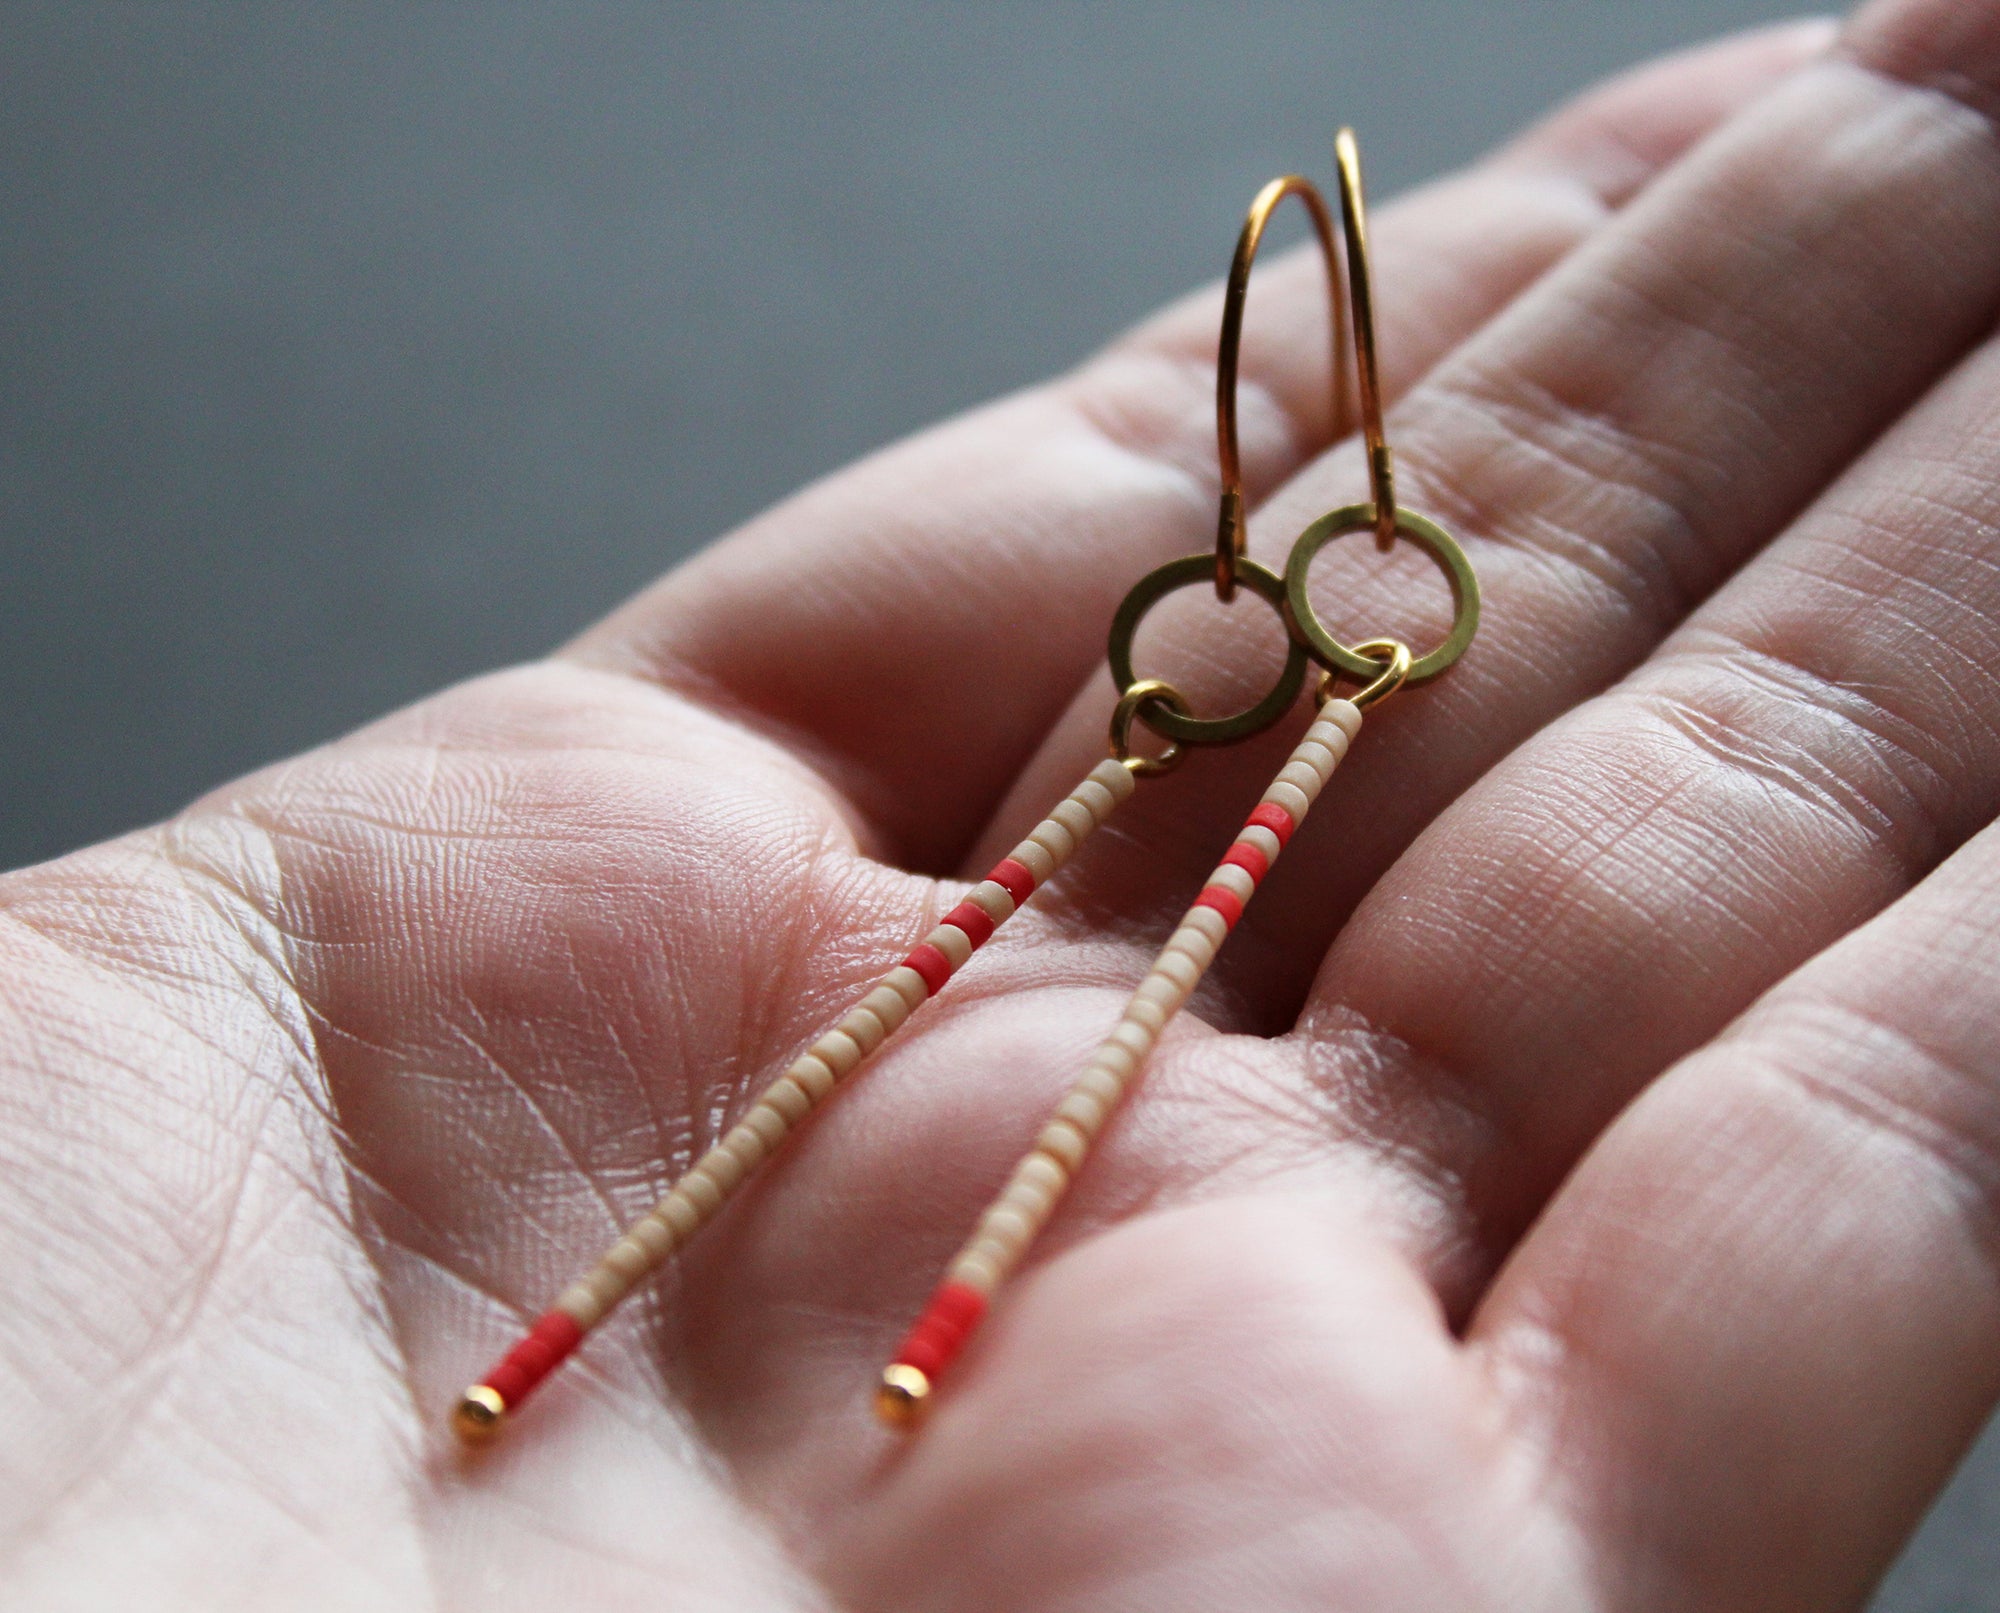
(1391, 658)
(1169, 723)
(1327, 650)
(477, 1417)
(1147, 691)
(1381, 514)
(1361, 298)
(903, 1396)
(1230, 531)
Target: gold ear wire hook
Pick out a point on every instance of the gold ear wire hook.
(1230, 533)
(1361, 294)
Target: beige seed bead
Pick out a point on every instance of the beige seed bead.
(1053, 838)
(768, 1123)
(1330, 737)
(680, 1213)
(1034, 856)
(701, 1190)
(579, 1302)
(789, 1098)
(838, 1051)
(992, 900)
(1084, 1112)
(1032, 1200)
(953, 942)
(1162, 990)
(1029, 1197)
(1143, 1010)
(1265, 841)
(1107, 1086)
(1044, 1172)
(1134, 1036)
(1345, 713)
(1289, 796)
(653, 1235)
(742, 1144)
(906, 983)
(813, 1075)
(1316, 756)
(1181, 969)
(865, 1028)
(1209, 922)
(1236, 880)
(996, 1252)
(887, 1005)
(977, 1269)
(1115, 777)
(1007, 1226)
(628, 1258)
(1307, 780)
(1076, 818)
(1095, 799)
(1117, 1058)
(721, 1167)
(605, 1287)
(1063, 1144)
(1193, 944)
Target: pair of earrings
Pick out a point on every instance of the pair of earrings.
(1005, 1232)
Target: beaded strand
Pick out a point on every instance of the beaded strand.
(1011, 1222)
(713, 1179)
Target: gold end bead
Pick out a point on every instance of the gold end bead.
(903, 1396)
(477, 1417)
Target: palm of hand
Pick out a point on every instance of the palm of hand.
(1372, 1297)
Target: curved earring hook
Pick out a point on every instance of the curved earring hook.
(1230, 535)
(1361, 293)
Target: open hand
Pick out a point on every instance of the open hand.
(1575, 1186)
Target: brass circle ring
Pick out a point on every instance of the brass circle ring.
(1339, 657)
(1147, 592)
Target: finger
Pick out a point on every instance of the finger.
(1755, 1332)
(1812, 742)
(946, 598)
(1610, 449)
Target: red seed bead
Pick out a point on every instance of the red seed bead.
(1248, 858)
(932, 964)
(1014, 879)
(544, 1348)
(1269, 815)
(937, 1335)
(960, 1301)
(1224, 901)
(925, 1354)
(940, 1334)
(974, 920)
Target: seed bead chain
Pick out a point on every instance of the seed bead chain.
(710, 1183)
(1010, 1224)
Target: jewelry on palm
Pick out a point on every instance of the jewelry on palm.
(1009, 1226)
(703, 1189)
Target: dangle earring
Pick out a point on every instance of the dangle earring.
(706, 1186)
(699, 1193)
(1010, 1224)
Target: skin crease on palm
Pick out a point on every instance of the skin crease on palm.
(1574, 1189)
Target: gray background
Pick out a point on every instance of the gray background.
(345, 353)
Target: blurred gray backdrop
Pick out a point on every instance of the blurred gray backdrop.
(347, 351)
